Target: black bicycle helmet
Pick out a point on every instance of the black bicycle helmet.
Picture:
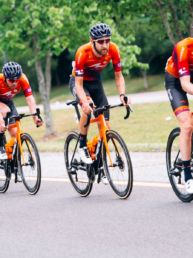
(100, 30)
(12, 70)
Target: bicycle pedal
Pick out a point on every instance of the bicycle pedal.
(72, 172)
(175, 173)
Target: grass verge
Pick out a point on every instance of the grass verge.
(61, 94)
(147, 128)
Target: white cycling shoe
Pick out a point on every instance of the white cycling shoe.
(84, 155)
(104, 180)
(189, 186)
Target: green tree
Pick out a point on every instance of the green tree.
(41, 26)
(46, 27)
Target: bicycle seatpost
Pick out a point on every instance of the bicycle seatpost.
(74, 103)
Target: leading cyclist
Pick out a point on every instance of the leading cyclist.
(12, 81)
(85, 82)
(179, 82)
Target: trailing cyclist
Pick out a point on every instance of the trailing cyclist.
(12, 81)
(179, 82)
(85, 82)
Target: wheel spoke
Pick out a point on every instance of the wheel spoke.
(77, 171)
(175, 167)
(30, 167)
(120, 175)
(4, 177)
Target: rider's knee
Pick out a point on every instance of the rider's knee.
(4, 110)
(187, 127)
(12, 130)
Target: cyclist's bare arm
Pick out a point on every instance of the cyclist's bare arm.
(187, 86)
(81, 95)
(120, 82)
(32, 107)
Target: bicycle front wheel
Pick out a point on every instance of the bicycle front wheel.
(175, 167)
(120, 171)
(29, 164)
(77, 171)
(4, 178)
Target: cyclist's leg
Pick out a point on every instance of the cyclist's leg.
(98, 96)
(4, 109)
(180, 107)
(12, 129)
(83, 151)
(83, 130)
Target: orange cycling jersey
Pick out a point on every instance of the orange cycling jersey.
(181, 61)
(89, 66)
(7, 93)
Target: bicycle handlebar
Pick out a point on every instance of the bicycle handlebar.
(100, 110)
(20, 116)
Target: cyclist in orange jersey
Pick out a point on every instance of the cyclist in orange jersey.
(85, 82)
(12, 81)
(179, 82)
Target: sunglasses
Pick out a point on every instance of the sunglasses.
(102, 41)
(12, 80)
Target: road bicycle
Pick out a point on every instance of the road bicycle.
(23, 158)
(109, 154)
(175, 166)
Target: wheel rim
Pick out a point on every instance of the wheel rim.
(77, 170)
(119, 174)
(175, 168)
(30, 166)
(4, 180)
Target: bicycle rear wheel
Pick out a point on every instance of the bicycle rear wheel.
(175, 167)
(29, 164)
(120, 172)
(77, 171)
(4, 177)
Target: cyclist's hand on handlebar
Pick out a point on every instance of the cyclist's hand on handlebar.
(125, 100)
(37, 121)
(86, 108)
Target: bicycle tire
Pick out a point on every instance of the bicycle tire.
(77, 171)
(120, 175)
(30, 170)
(4, 177)
(174, 167)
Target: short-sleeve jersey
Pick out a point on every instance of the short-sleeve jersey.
(22, 84)
(89, 66)
(181, 61)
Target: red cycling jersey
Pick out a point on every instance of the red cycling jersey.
(7, 93)
(89, 66)
(181, 61)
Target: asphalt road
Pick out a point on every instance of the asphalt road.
(56, 222)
